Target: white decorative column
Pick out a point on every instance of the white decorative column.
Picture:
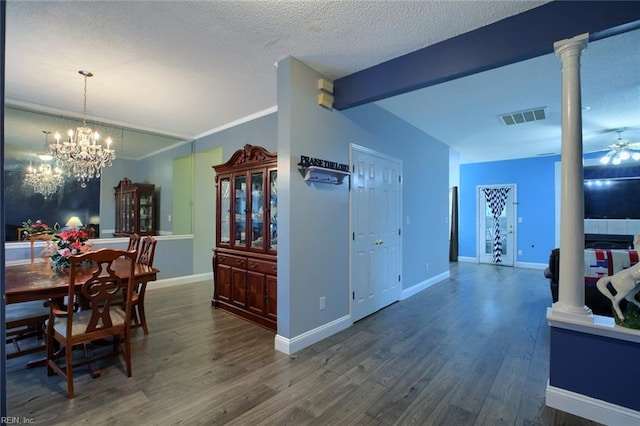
(571, 281)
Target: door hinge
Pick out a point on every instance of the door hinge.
(353, 295)
(398, 278)
(399, 179)
(354, 236)
(399, 232)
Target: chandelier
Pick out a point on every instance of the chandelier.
(82, 155)
(44, 179)
(621, 151)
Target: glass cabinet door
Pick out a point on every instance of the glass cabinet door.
(225, 210)
(131, 208)
(257, 199)
(128, 209)
(273, 210)
(240, 210)
(146, 211)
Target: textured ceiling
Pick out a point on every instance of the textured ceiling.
(186, 68)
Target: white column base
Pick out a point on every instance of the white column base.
(562, 311)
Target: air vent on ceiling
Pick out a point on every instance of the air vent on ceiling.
(525, 116)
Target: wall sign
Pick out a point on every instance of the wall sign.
(319, 170)
(308, 161)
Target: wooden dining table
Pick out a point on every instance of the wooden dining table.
(37, 281)
(24, 283)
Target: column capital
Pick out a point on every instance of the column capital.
(577, 43)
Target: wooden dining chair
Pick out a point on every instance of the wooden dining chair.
(100, 320)
(134, 242)
(25, 321)
(146, 255)
(46, 250)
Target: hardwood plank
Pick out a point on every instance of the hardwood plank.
(504, 396)
(472, 350)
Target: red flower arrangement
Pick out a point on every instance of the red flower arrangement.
(67, 244)
(37, 227)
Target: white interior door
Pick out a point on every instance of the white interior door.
(497, 224)
(375, 225)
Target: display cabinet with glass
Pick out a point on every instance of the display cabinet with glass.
(244, 261)
(135, 209)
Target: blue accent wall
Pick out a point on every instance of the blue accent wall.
(600, 367)
(535, 180)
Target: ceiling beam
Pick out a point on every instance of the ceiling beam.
(524, 36)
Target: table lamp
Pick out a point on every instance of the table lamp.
(74, 221)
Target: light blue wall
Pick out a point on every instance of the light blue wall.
(425, 200)
(313, 250)
(535, 180)
(158, 170)
(261, 132)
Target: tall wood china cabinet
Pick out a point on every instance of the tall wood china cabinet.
(135, 209)
(244, 260)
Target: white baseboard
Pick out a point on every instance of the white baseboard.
(187, 279)
(415, 289)
(591, 408)
(290, 346)
(531, 265)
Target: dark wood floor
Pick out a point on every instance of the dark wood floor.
(472, 350)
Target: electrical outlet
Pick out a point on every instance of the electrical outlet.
(323, 303)
(519, 252)
(427, 265)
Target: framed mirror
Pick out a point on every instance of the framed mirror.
(144, 157)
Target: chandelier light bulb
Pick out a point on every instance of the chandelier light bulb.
(636, 156)
(616, 161)
(624, 155)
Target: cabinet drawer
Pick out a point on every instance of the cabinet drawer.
(270, 268)
(230, 260)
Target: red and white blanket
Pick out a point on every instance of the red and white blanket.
(599, 262)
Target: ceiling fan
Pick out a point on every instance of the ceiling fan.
(621, 150)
